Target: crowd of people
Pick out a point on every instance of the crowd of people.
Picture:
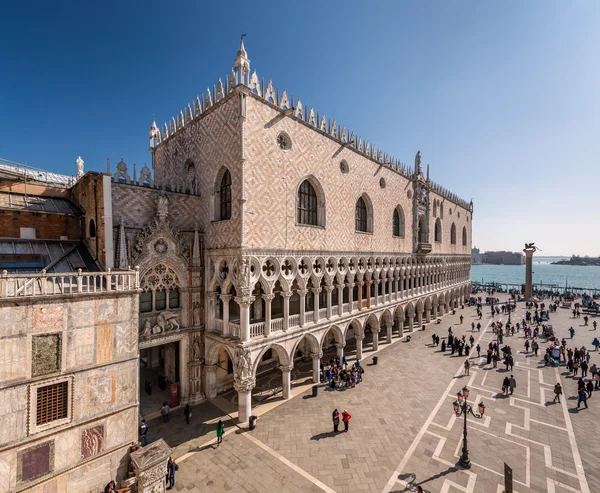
(338, 375)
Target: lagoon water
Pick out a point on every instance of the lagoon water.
(543, 272)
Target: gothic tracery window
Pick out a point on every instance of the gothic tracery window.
(361, 215)
(307, 204)
(399, 222)
(225, 196)
(160, 289)
(453, 234)
(464, 236)
(438, 230)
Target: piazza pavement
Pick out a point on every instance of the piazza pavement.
(403, 432)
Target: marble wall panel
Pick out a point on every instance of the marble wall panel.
(13, 414)
(82, 313)
(101, 390)
(48, 316)
(126, 340)
(46, 354)
(13, 320)
(121, 428)
(106, 310)
(104, 344)
(125, 308)
(6, 471)
(13, 358)
(92, 440)
(35, 462)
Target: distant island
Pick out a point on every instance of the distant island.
(577, 260)
(496, 258)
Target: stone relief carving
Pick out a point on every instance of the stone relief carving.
(196, 313)
(244, 363)
(46, 354)
(165, 321)
(196, 348)
(160, 277)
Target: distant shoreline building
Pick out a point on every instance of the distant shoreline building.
(475, 256)
(500, 258)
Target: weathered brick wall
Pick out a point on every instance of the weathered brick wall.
(272, 177)
(452, 214)
(47, 226)
(211, 142)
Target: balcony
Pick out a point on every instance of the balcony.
(423, 247)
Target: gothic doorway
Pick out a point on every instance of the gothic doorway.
(159, 369)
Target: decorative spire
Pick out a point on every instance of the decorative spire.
(196, 249)
(123, 263)
(79, 162)
(427, 171)
(154, 133)
(241, 64)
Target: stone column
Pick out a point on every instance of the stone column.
(360, 298)
(268, 300)
(150, 466)
(316, 360)
(329, 289)
(359, 346)
(427, 315)
(376, 283)
(340, 299)
(375, 340)
(350, 287)
(434, 312)
(210, 381)
(286, 308)
(388, 332)
(340, 349)
(302, 293)
(396, 292)
(316, 292)
(419, 319)
(383, 290)
(529, 273)
(369, 293)
(244, 304)
(411, 323)
(286, 380)
(225, 298)
(244, 390)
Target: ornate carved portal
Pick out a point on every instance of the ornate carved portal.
(421, 211)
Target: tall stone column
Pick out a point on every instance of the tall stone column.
(360, 293)
(268, 300)
(210, 381)
(340, 349)
(350, 287)
(329, 289)
(340, 289)
(375, 340)
(434, 312)
(286, 309)
(316, 292)
(225, 298)
(376, 283)
(316, 360)
(529, 272)
(244, 304)
(396, 288)
(411, 323)
(302, 293)
(286, 380)
(244, 390)
(388, 332)
(359, 346)
(150, 466)
(369, 293)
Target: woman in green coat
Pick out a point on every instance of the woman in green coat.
(220, 430)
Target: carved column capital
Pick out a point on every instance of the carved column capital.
(286, 294)
(286, 368)
(268, 297)
(349, 285)
(245, 385)
(226, 298)
(316, 290)
(318, 355)
(210, 368)
(328, 288)
(360, 284)
(302, 292)
(340, 345)
(244, 302)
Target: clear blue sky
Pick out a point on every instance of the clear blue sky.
(501, 98)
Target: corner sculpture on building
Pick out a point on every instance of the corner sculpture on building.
(261, 232)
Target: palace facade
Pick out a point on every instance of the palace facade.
(262, 233)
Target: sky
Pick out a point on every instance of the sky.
(501, 98)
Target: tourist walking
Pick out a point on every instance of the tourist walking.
(171, 468)
(478, 351)
(165, 410)
(187, 412)
(346, 416)
(505, 385)
(220, 431)
(589, 387)
(335, 416)
(512, 384)
(143, 432)
(467, 366)
(582, 397)
(557, 392)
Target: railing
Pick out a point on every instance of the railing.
(294, 320)
(373, 301)
(354, 306)
(334, 310)
(218, 325)
(322, 313)
(44, 284)
(234, 330)
(345, 307)
(257, 329)
(308, 317)
(277, 325)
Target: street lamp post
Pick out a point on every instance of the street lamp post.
(462, 407)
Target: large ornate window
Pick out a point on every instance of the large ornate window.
(160, 290)
(453, 234)
(361, 215)
(225, 196)
(438, 230)
(399, 222)
(464, 236)
(307, 204)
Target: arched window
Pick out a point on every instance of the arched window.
(423, 236)
(453, 234)
(225, 196)
(435, 206)
(364, 214)
(442, 210)
(398, 222)
(438, 230)
(92, 229)
(307, 204)
(464, 235)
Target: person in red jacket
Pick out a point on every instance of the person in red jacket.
(346, 419)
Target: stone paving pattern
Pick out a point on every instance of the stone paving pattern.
(403, 425)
